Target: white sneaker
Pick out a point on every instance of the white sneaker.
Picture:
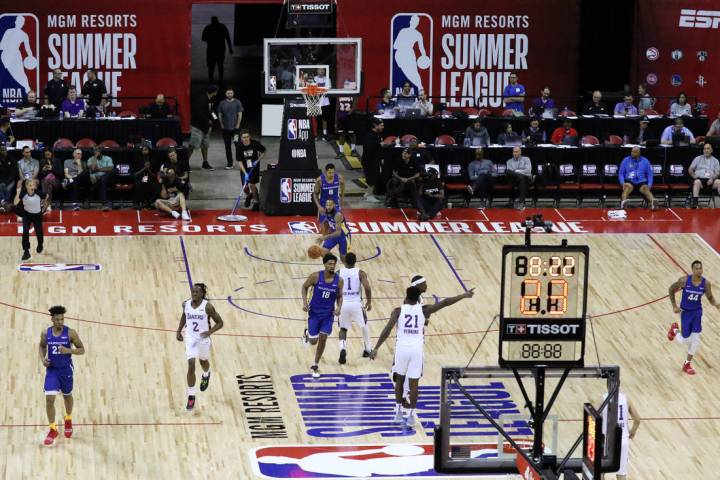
(175, 214)
(399, 417)
(185, 215)
(410, 421)
(315, 371)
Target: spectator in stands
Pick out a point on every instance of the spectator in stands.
(171, 198)
(714, 127)
(519, 172)
(514, 95)
(404, 182)
(422, 103)
(372, 159)
(147, 188)
(5, 137)
(476, 135)
(201, 117)
(480, 173)
(230, 112)
(72, 106)
(8, 179)
(543, 103)
(645, 101)
(626, 107)
(680, 107)
(28, 167)
(636, 174)
(76, 176)
(642, 134)
(507, 134)
(705, 170)
(406, 91)
(215, 35)
(534, 135)
(94, 90)
(28, 108)
(181, 169)
(123, 175)
(596, 105)
(565, 135)
(100, 168)
(56, 90)
(674, 133)
(420, 154)
(158, 109)
(432, 198)
(386, 103)
(48, 177)
(249, 155)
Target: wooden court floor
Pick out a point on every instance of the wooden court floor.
(130, 386)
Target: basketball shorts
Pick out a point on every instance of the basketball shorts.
(59, 380)
(196, 347)
(636, 186)
(320, 323)
(254, 177)
(198, 138)
(624, 450)
(408, 361)
(352, 312)
(342, 242)
(691, 322)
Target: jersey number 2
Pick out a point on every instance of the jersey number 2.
(195, 327)
(409, 321)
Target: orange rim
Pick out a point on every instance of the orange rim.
(313, 90)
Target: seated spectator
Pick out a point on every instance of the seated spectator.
(626, 107)
(6, 138)
(534, 135)
(676, 133)
(705, 170)
(480, 173)
(8, 180)
(158, 109)
(595, 106)
(645, 101)
(100, 168)
(406, 94)
(514, 95)
(476, 135)
(171, 198)
(29, 108)
(680, 107)
(250, 154)
(386, 103)
(404, 181)
(72, 106)
(181, 168)
(636, 174)
(565, 135)
(28, 167)
(123, 174)
(76, 176)
(714, 127)
(48, 177)
(422, 103)
(642, 134)
(507, 134)
(519, 172)
(432, 195)
(419, 154)
(543, 104)
(147, 188)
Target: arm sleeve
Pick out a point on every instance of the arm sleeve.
(689, 133)
(666, 135)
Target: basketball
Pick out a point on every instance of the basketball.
(30, 63)
(423, 62)
(315, 251)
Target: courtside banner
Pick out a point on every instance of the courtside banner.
(464, 50)
(677, 49)
(139, 48)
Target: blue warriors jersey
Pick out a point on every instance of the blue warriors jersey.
(58, 360)
(692, 295)
(330, 190)
(324, 295)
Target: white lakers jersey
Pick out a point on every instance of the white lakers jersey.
(196, 319)
(351, 285)
(411, 326)
(622, 416)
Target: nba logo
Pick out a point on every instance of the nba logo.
(292, 129)
(411, 55)
(286, 190)
(19, 50)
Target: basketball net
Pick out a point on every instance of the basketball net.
(313, 96)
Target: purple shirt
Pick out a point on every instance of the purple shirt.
(540, 105)
(622, 107)
(73, 108)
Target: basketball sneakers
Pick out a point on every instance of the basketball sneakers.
(51, 436)
(673, 331)
(687, 368)
(68, 428)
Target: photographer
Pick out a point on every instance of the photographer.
(432, 198)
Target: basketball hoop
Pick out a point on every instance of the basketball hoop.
(313, 96)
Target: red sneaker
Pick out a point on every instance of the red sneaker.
(68, 429)
(687, 368)
(672, 332)
(51, 436)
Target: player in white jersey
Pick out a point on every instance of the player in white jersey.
(411, 319)
(625, 413)
(352, 307)
(196, 316)
(419, 282)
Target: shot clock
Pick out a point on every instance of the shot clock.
(543, 302)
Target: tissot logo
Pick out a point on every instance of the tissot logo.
(699, 18)
(555, 329)
(516, 328)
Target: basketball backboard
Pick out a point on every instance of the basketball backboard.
(333, 63)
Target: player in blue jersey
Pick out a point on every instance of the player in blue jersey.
(56, 350)
(330, 185)
(693, 288)
(335, 231)
(322, 308)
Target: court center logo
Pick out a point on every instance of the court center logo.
(19, 50)
(411, 55)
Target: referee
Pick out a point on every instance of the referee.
(30, 207)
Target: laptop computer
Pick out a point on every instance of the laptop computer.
(20, 144)
(513, 141)
(680, 140)
(412, 113)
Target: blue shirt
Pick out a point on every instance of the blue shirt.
(58, 360)
(324, 295)
(622, 107)
(668, 133)
(539, 105)
(516, 90)
(382, 106)
(692, 295)
(636, 171)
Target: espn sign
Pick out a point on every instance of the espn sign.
(699, 18)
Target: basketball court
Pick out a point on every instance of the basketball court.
(130, 386)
